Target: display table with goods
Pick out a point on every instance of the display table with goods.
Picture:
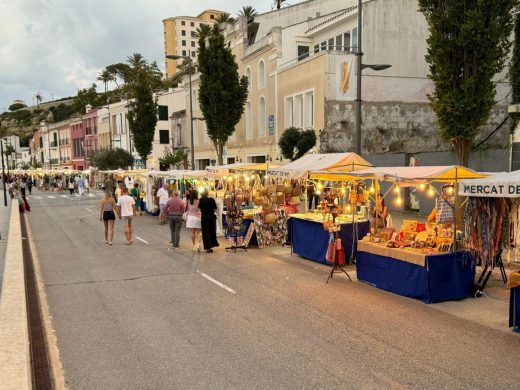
(416, 262)
(310, 240)
(514, 304)
(247, 220)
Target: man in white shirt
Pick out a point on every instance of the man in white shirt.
(163, 197)
(129, 183)
(126, 212)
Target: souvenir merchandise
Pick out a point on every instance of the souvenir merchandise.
(234, 219)
(270, 227)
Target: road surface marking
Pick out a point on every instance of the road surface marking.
(140, 239)
(64, 196)
(51, 197)
(38, 197)
(91, 195)
(220, 284)
(88, 209)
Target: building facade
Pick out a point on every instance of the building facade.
(90, 125)
(180, 37)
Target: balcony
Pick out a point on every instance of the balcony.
(55, 161)
(53, 144)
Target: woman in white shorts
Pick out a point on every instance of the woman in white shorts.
(193, 219)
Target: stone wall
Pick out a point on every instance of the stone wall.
(395, 127)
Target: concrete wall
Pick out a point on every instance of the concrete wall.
(395, 127)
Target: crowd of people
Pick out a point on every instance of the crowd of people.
(124, 200)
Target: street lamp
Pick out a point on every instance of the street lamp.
(176, 57)
(360, 67)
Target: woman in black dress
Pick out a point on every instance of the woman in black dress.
(208, 206)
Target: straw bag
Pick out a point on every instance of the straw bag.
(280, 198)
(271, 188)
(287, 189)
(295, 201)
(296, 191)
(266, 203)
(270, 218)
(280, 188)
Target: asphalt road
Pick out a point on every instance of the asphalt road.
(146, 317)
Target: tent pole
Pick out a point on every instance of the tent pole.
(455, 211)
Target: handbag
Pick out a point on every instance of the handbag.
(280, 198)
(271, 188)
(295, 201)
(287, 189)
(296, 191)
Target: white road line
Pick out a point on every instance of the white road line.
(140, 239)
(51, 197)
(91, 195)
(220, 284)
(38, 197)
(88, 209)
(64, 196)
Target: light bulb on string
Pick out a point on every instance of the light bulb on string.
(372, 189)
(342, 190)
(201, 189)
(348, 208)
(230, 179)
(422, 186)
(247, 179)
(224, 177)
(449, 190)
(431, 192)
(320, 186)
(399, 201)
(397, 190)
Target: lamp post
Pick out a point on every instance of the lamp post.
(360, 67)
(176, 57)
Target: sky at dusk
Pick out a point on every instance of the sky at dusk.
(59, 46)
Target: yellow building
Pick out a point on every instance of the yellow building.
(180, 36)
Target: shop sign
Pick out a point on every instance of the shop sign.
(270, 122)
(490, 190)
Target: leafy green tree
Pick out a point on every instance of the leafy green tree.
(120, 73)
(294, 142)
(16, 106)
(467, 47)
(143, 108)
(514, 73)
(35, 165)
(106, 159)
(223, 92)
(171, 158)
(84, 97)
(24, 165)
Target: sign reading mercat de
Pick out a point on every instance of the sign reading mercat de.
(490, 190)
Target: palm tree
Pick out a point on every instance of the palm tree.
(203, 31)
(136, 61)
(225, 18)
(39, 98)
(249, 12)
(105, 76)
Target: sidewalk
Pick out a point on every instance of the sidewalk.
(5, 214)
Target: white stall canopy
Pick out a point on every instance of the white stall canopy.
(500, 185)
(299, 169)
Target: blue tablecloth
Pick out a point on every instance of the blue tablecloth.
(444, 277)
(310, 240)
(514, 309)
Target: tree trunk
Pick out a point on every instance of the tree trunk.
(462, 147)
(219, 147)
(144, 163)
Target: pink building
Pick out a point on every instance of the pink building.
(90, 126)
(77, 137)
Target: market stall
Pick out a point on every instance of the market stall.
(514, 303)
(419, 260)
(347, 223)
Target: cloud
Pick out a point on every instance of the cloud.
(59, 46)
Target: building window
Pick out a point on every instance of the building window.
(303, 52)
(179, 135)
(249, 79)
(212, 16)
(299, 110)
(261, 117)
(316, 49)
(193, 53)
(183, 42)
(331, 44)
(192, 24)
(354, 40)
(346, 41)
(261, 74)
(164, 137)
(288, 112)
(183, 33)
(192, 43)
(183, 23)
(323, 46)
(205, 130)
(184, 53)
(195, 133)
(193, 34)
(163, 113)
(308, 110)
(249, 120)
(256, 159)
(339, 42)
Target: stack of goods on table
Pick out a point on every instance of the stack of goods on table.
(421, 238)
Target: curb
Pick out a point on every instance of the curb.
(53, 353)
(15, 361)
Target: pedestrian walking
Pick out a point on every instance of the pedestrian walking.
(30, 184)
(134, 193)
(70, 186)
(126, 212)
(193, 219)
(162, 197)
(108, 216)
(174, 209)
(108, 184)
(87, 184)
(81, 186)
(208, 207)
(23, 185)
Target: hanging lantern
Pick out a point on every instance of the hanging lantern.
(431, 192)
(422, 186)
